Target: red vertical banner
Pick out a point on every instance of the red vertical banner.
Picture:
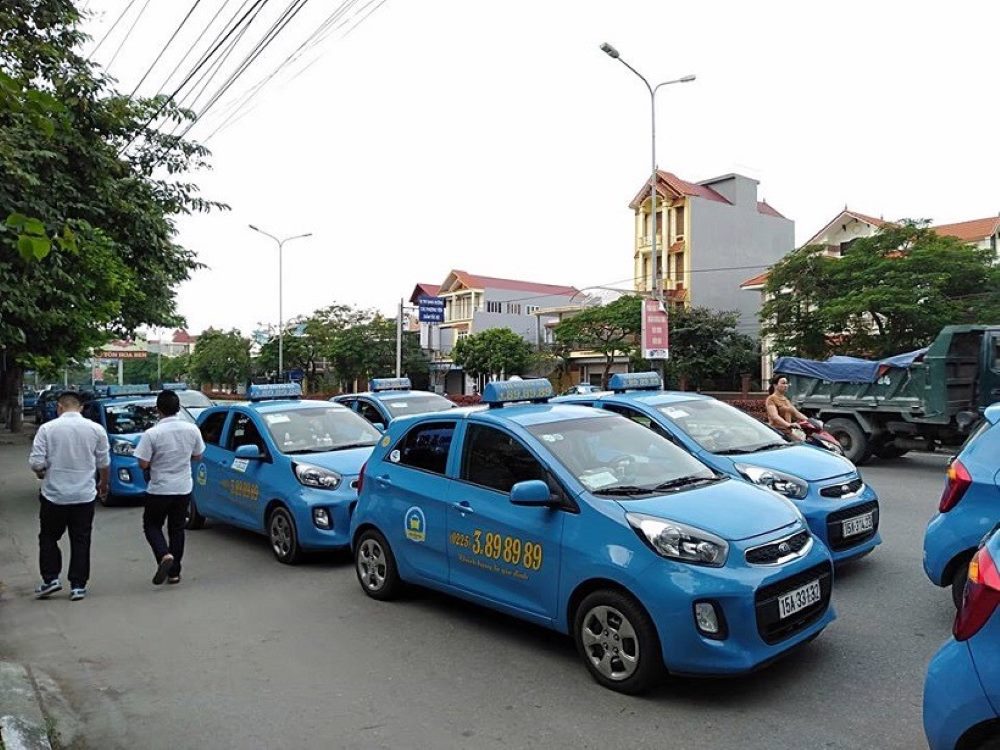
(655, 330)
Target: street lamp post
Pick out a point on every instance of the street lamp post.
(613, 53)
(281, 322)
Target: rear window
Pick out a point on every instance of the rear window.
(413, 403)
(977, 433)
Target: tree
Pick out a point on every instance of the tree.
(889, 293)
(706, 346)
(221, 357)
(368, 349)
(610, 329)
(492, 353)
(88, 189)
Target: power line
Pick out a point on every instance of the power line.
(204, 31)
(108, 32)
(128, 33)
(165, 47)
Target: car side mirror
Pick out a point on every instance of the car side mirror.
(533, 492)
(379, 426)
(250, 452)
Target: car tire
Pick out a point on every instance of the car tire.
(195, 520)
(375, 566)
(958, 579)
(284, 538)
(618, 642)
(857, 447)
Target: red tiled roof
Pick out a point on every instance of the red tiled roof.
(473, 281)
(846, 213)
(670, 185)
(757, 280)
(424, 290)
(183, 337)
(970, 231)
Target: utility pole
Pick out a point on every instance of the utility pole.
(399, 340)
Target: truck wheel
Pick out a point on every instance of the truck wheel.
(857, 447)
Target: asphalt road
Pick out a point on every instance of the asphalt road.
(247, 653)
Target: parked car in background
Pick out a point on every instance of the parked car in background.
(45, 405)
(969, 506)
(29, 398)
(962, 689)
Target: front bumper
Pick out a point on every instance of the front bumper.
(126, 479)
(954, 699)
(339, 505)
(746, 596)
(825, 516)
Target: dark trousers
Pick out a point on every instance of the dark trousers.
(53, 521)
(173, 510)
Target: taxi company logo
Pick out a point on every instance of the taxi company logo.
(414, 525)
(784, 548)
(202, 475)
(385, 441)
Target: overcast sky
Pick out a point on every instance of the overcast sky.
(497, 138)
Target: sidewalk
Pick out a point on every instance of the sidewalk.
(23, 726)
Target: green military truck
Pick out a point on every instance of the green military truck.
(916, 401)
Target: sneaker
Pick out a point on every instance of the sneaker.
(166, 563)
(45, 590)
(174, 579)
(76, 595)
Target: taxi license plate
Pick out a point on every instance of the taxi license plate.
(800, 598)
(859, 524)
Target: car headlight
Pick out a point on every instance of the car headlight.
(316, 476)
(783, 484)
(122, 448)
(679, 541)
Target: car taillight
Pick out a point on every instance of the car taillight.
(982, 595)
(958, 482)
(361, 476)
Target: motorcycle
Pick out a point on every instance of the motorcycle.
(815, 433)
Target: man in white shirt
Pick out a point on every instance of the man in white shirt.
(67, 453)
(167, 450)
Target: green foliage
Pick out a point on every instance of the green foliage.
(608, 329)
(493, 352)
(706, 346)
(221, 358)
(172, 369)
(889, 293)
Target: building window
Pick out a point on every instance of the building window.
(461, 335)
(678, 222)
(514, 308)
(531, 309)
(494, 307)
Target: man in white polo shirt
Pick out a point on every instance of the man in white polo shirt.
(167, 450)
(67, 453)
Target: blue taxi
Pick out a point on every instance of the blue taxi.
(840, 508)
(125, 412)
(282, 466)
(969, 506)
(388, 398)
(582, 521)
(962, 689)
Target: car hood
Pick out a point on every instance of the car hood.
(803, 461)
(346, 462)
(731, 509)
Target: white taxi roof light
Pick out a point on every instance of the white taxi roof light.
(500, 392)
(128, 390)
(635, 381)
(175, 386)
(274, 391)
(388, 384)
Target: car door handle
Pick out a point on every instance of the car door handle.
(463, 507)
(384, 480)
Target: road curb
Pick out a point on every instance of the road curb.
(22, 723)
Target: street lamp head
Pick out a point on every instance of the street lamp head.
(253, 227)
(609, 50)
(687, 79)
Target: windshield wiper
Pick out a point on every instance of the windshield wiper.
(624, 489)
(301, 451)
(345, 446)
(770, 446)
(735, 451)
(674, 484)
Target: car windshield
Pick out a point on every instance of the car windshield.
(413, 403)
(720, 428)
(194, 399)
(616, 456)
(127, 419)
(319, 429)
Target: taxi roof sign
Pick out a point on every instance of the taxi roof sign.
(635, 381)
(389, 384)
(129, 390)
(500, 392)
(175, 386)
(274, 391)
